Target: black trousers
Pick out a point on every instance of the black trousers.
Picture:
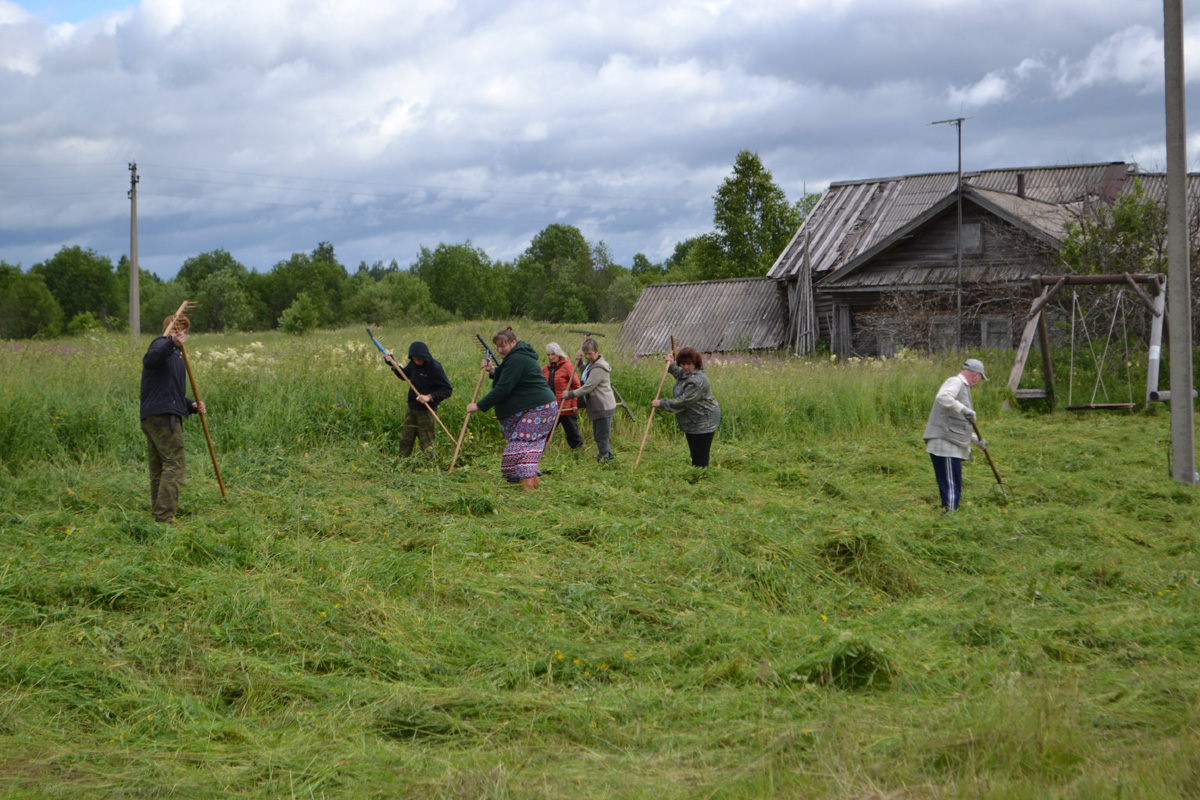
(570, 427)
(700, 444)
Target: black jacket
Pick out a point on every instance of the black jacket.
(428, 379)
(164, 378)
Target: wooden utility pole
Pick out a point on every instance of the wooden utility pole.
(135, 294)
(1179, 282)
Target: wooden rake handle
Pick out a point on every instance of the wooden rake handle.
(400, 370)
(991, 463)
(203, 422)
(463, 433)
(657, 394)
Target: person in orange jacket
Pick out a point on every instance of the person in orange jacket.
(561, 376)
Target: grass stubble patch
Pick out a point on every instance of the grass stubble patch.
(797, 620)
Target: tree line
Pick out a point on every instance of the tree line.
(560, 277)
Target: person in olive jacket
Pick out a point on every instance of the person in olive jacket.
(525, 407)
(164, 405)
(692, 403)
(428, 386)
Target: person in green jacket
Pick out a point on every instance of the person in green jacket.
(524, 405)
(692, 403)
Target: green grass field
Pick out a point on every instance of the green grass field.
(798, 621)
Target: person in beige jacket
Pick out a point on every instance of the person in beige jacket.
(597, 395)
(949, 433)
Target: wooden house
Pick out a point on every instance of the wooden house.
(882, 255)
(876, 265)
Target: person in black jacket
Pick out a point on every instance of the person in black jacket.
(428, 384)
(164, 405)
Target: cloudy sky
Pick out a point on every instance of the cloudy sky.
(264, 127)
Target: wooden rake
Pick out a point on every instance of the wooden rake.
(561, 400)
(646, 435)
(180, 322)
(396, 366)
(1004, 489)
(462, 434)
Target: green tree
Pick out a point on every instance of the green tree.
(619, 297)
(643, 266)
(161, 299)
(301, 316)
(753, 219)
(1128, 236)
(462, 280)
(221, 303)
(27, 308)
(398, 296)
(197, 268)
(83, 280)
(319, 275)
(555, 278)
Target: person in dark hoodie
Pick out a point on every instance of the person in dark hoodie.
(163, 408)
(525, 407)
(428, 386)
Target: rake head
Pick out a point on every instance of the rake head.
(179, 321)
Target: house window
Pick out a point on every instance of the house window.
(972, 239)
(943, 333)
(996, 331)
(887, 335)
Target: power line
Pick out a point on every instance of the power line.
(409, 211)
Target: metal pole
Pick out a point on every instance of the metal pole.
(1183, 423)
(958, 241)
(957, 123)
(135, 295)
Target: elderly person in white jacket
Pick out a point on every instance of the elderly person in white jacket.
(949, 433)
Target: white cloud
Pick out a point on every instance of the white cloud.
(991, 89)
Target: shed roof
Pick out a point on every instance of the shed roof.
(856, 217)
(711, 316)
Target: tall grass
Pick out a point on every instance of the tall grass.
(799, 620)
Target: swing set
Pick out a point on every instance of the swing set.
(1153, 296)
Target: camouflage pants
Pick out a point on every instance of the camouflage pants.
(418, 424)
(164, 451)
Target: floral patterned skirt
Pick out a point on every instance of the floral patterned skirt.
(525, 436)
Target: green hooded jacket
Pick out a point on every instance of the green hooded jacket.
(517, 384)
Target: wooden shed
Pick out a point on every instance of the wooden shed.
(711, 316)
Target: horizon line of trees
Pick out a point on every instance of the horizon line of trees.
(561, 277)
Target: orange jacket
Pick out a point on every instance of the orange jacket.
(565, 379)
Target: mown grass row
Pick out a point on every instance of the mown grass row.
(797, 621)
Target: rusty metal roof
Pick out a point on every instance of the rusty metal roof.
(711, 316)
(854, 217)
